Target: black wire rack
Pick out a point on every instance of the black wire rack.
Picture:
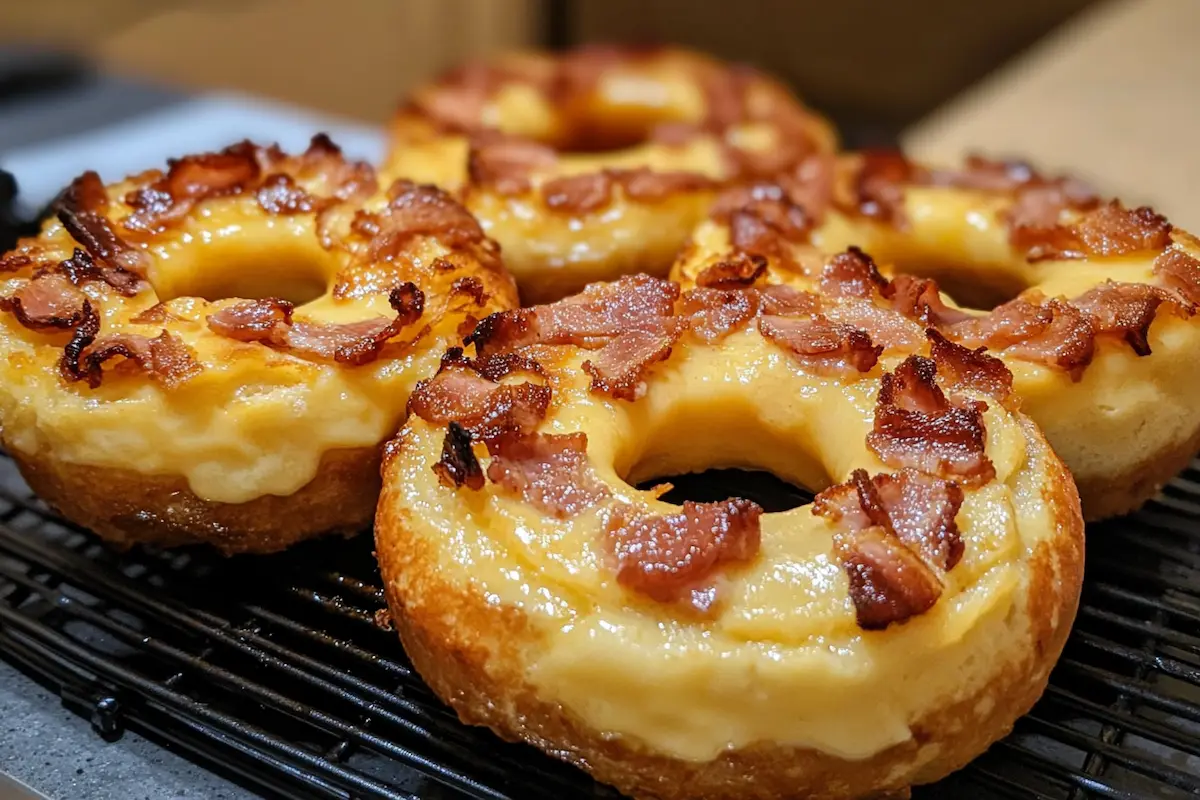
(277, 671)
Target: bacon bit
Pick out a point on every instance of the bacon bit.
(915, 426)
(1179, 272)
(458, 465)
(811, 184)
(486, 408)
(921, 299)
(279, 194)
(471, 288)
(892, 534)
(989, 175)
(69, 366)
(14, 261)
(713, 314)
(157, 314)
(822, 346)
(416, 210)
(165, 358)
(1125, 310)
(963, 368)
(80, 210)
(1111, 230)
(81, 268)
(886, 327)
(456, 102)
(620, 366)
(47, 302)
(548, 471)
(505, 163)
(196, 178)
(782, 300)
(672, 557)
(645, 185)
(578, 194)
(631, 307)
(852, 274)
(736, 272)
(266, 320)
(356, 343)
(879, 185)
(1056, 333)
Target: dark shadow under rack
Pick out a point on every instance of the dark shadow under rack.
(273, 669)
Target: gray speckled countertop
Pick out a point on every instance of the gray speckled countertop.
(58, 754)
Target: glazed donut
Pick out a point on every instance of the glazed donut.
(216, 353)
(1091, 305)
(880, 637)
(597, 163)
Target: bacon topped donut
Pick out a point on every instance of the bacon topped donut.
(597, 162)
(1090, 304)
(876, 638)
(214, 353)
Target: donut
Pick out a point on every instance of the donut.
(215, 353)
(877, 638)
(1090, 304)
(595, 163)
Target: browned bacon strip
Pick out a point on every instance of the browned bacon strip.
(916, 426)
(738, 271)
(921, 299)
(47, 302)
(81, 268)
(1110, 230)
(620, 366)
(266, 320)
(486, 408)
(413, 211)
(458, 465)
(645, 185)
(548, 471)
(1125, 310)
(852, 274)
(675, 557)
(713, 314)
(1055, 333)
(505, 163)
(279, 194)
(893, 534)
(1179, 272)
(165, 358)
(80, 209)
(963, 368)
(822, 346)
(578, 194)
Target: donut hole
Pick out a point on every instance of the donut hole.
(219, 270)
(710, 453)
(713, 485)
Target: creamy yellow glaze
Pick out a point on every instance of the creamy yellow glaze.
(783, 661)
(254, 421)
(1124, 411)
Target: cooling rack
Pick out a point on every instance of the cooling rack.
(276, 670)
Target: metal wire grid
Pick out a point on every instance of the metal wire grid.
(274, 669)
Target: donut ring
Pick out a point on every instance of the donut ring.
(1092, 306)
(878, 638)
(150, 414)
(597, 163)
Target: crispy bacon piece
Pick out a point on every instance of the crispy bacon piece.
(46, 302)
(81, 268)
(736, 272)
(80, 209)
(356, 343)
(1110, 230)
(620, 366)
(1055, 333)
(195, 178)
(70, 365)
(505, 163)
(1125, 310)
(921, 299)
(1179, 272)
(415, 210)
(165, 358)
(762, 220)
(645, 185)
(279, 194)
(887, 328)
(963, 368)
(852, 274)
(578, 194)
(820, 345)
(548, 471)
(916, 426)
(893, 534)
(713, 314)
(481, 405)
(458, 465)
(782, 300)
(675, 557)
(879, 185)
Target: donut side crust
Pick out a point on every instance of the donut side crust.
(126, 508)
(469, 652)
(1106, 496)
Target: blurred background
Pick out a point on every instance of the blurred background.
(1099, 87)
